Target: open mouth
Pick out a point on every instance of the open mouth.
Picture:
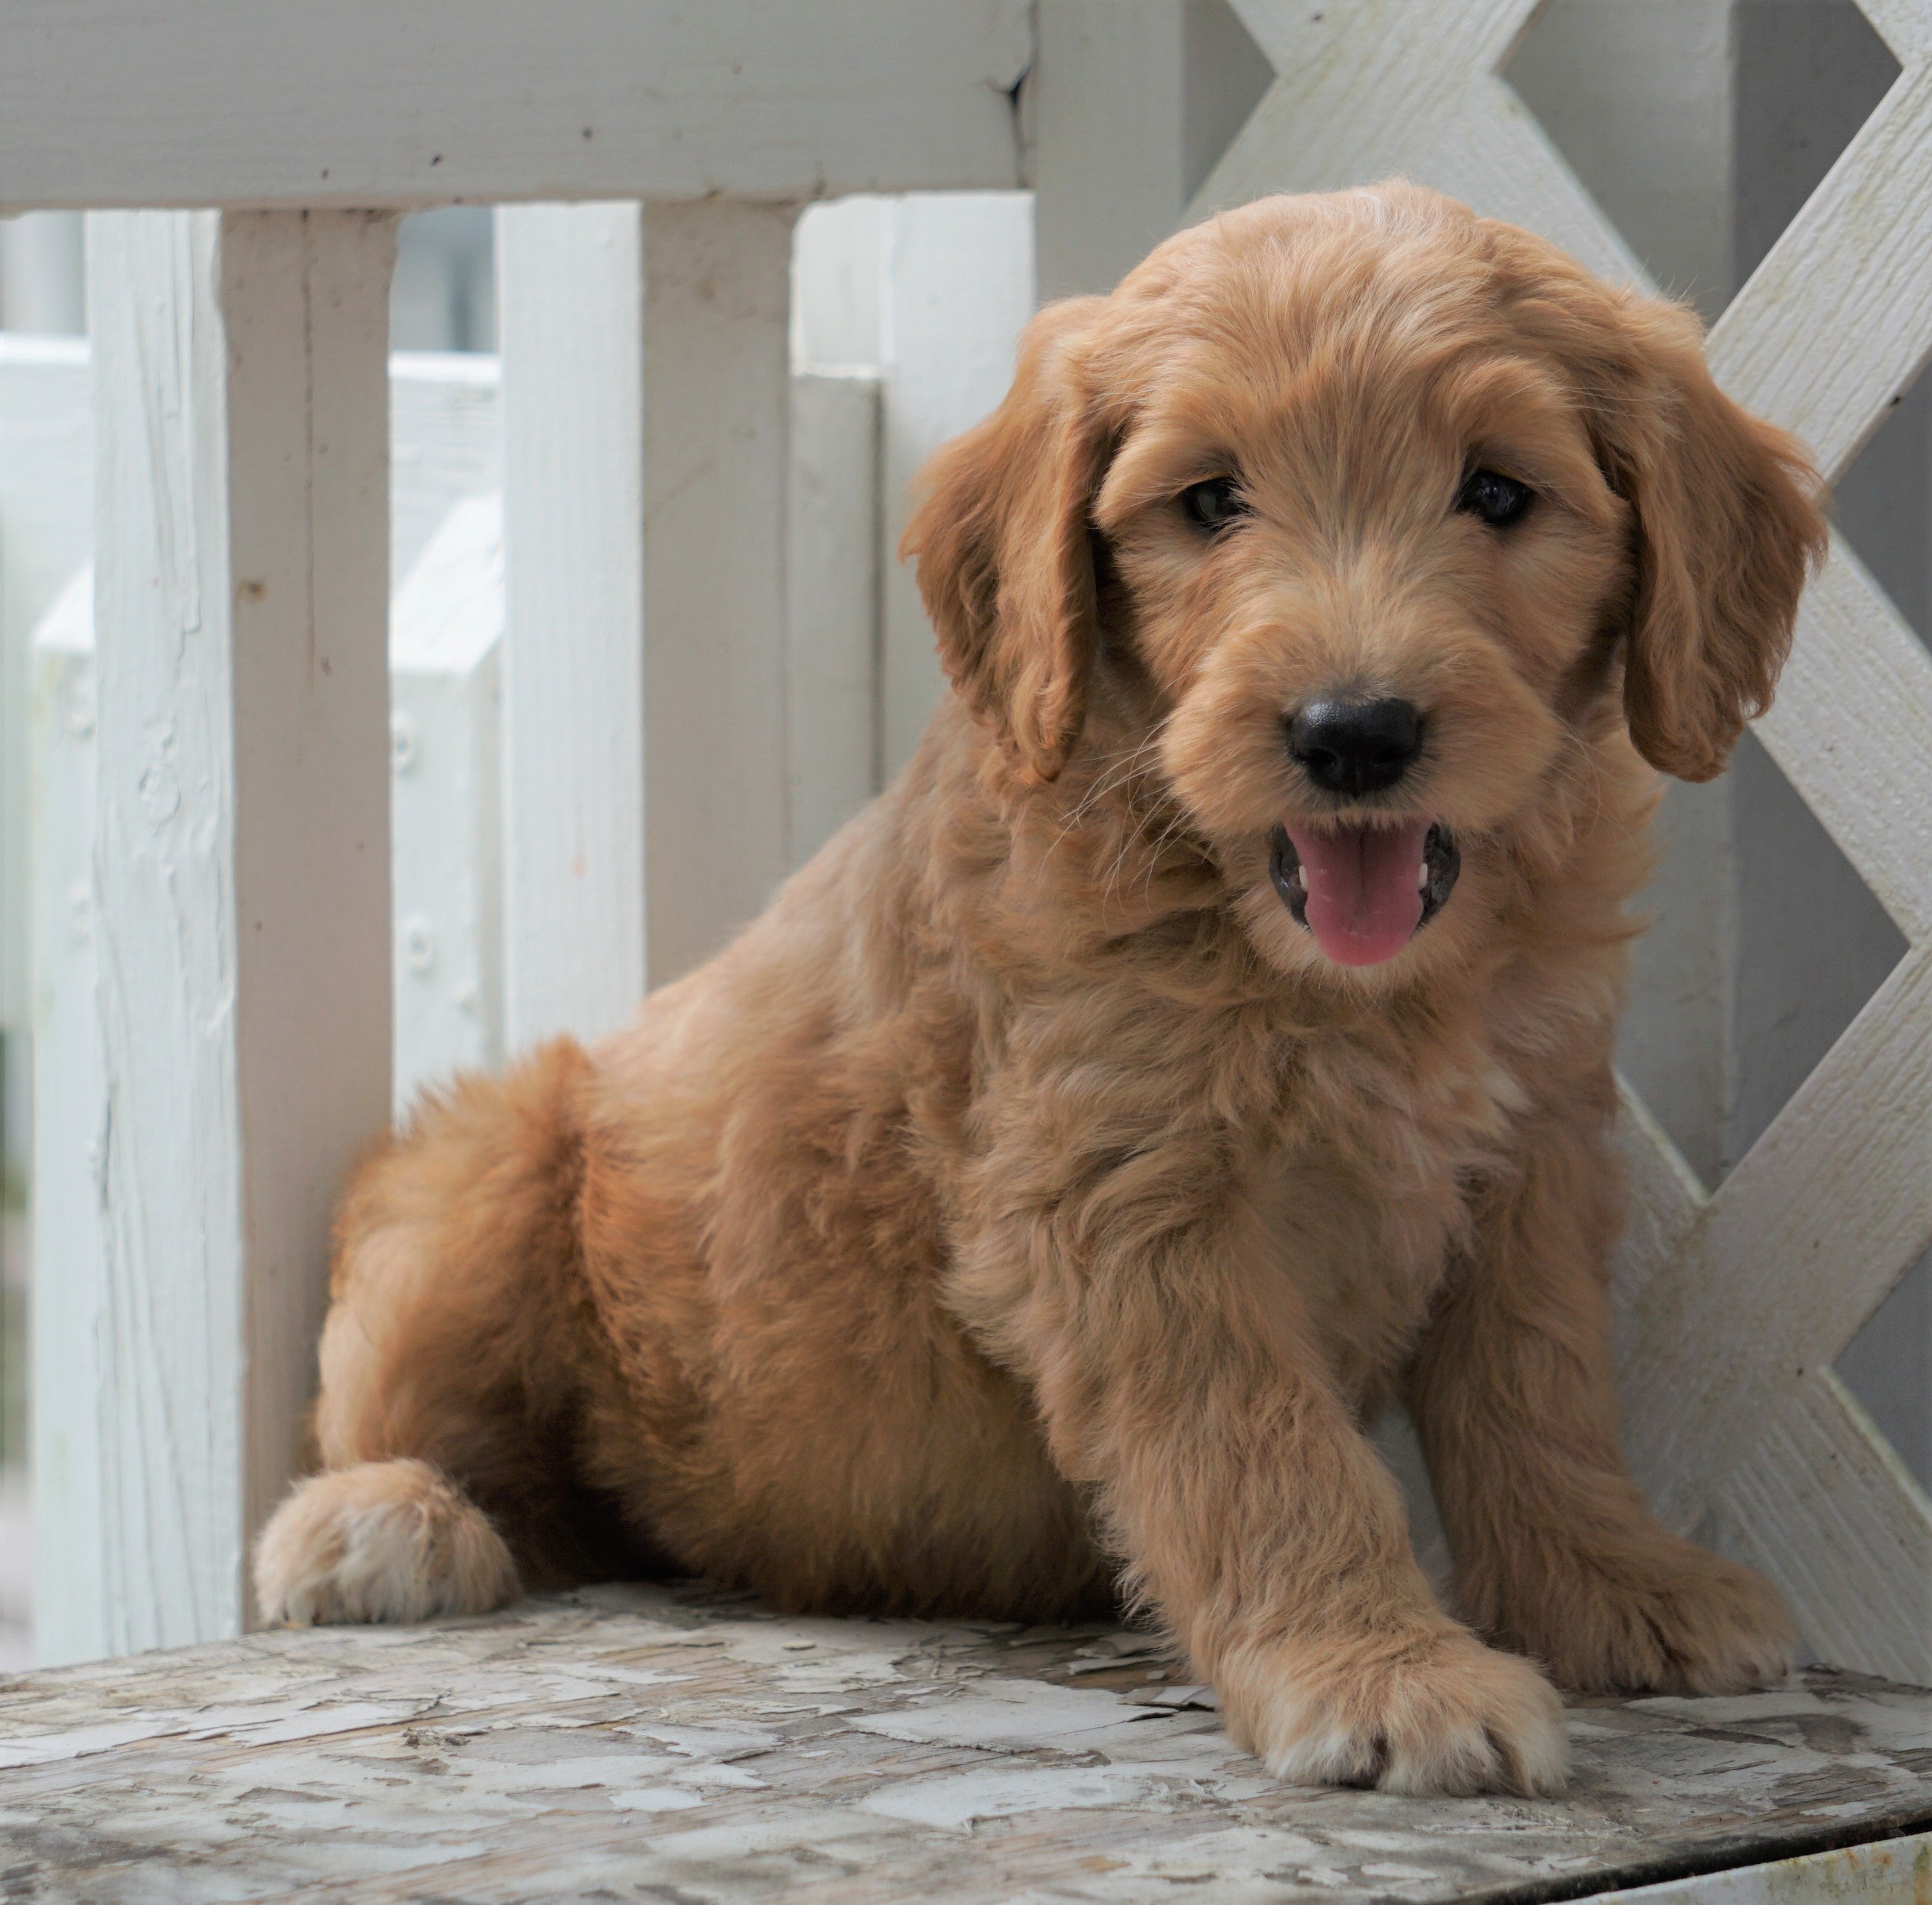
(1364, 891)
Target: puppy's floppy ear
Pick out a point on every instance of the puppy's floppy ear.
(1005, 563)
(1728, 525)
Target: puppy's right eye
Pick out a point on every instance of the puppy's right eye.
(1214, 504)
(1497, 500)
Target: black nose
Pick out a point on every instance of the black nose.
(1355, 747)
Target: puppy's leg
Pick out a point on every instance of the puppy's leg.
(1555, 1551)
(454, 1368)
(1177, 1379)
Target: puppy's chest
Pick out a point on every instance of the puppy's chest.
(1376, 1173)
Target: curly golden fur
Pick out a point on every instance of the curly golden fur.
(1028, 1207)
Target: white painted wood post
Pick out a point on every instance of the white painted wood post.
(931, 291)
(1107, 104)
(242, 867)
(959, 289)
(646, 397)
(835, 519)
(70, 1603)
(1130, 102)
(445, 443)
(447, 467)
(447, 624)
(46, 484)
(570, 323)
(717, 410)
(445, 731)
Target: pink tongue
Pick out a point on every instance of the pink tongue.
(1364, 900)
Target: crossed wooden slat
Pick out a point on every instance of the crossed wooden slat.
(1734, 1304)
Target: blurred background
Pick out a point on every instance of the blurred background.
(1700, 126)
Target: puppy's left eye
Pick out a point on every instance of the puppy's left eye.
(1214, 504)
(1499, 500)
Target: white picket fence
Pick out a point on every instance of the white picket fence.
(903, 332)
(637, 661)
(871, 395)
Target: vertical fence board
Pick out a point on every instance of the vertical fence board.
(959, 289)
(46, 477)
(242, 865)
(833, 523)
(69, 1131)
(717, 408)
(1108, 145)
(445, 442)
(445, 724)
(571, 325)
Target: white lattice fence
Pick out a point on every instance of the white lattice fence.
(1735, 1303)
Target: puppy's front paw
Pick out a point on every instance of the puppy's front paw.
(1658, 1615)
(1436, 1711)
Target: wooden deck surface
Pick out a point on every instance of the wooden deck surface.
(672, 1744)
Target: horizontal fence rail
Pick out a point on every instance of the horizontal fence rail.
(365, 103)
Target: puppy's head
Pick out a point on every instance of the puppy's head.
(1368, 506)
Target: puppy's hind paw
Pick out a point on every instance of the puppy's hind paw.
(382, 1541)
(1658, 1615)
(1439, 1714)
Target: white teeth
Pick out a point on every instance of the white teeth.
(1422, 876)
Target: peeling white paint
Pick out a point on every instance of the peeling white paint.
(657, 1741)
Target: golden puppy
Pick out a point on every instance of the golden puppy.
(1205, 1040)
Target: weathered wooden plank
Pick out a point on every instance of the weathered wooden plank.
(363, 103)
(648, 1742)
(242, 893)
(1889, 1872)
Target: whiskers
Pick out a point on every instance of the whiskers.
(1578, 770)
(1116, 770)
(1126, 782)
